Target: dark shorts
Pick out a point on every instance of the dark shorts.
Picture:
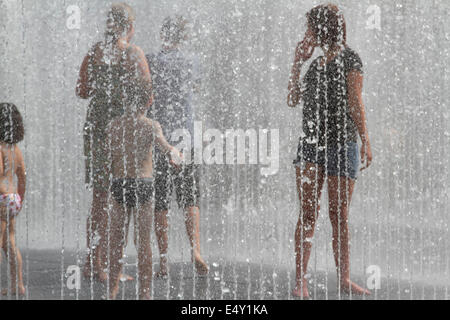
(132, 192)
(185, 180)
(338, 161)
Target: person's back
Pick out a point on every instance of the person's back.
(11, 195)
(133, 137)
(12, 162)
(131, 147)
(173, 76)
(114, 73)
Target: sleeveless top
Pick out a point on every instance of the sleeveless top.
(116, 86)
(326, 114)
(107, 103)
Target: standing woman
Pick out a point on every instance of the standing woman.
(109, 69)
(333, 117)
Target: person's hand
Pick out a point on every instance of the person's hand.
(294, 95)
(366, 155)
(176, 158)
(305, 48)
(303, 52)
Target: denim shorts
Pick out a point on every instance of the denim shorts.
(339, 160)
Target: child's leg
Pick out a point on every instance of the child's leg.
(116, 245)
(14, 256)
(143, 227)
(161, 228)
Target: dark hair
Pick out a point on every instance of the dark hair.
(174, 29)
(11, 124)
(328, 24)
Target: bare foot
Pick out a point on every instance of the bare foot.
(113, 294)
(162, 274)
(22, 291)
(301, 291)
(125, 278)
(348, 286)
(200, 265)
(145, 296)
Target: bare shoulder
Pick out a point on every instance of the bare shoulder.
(96, 52)
(151, 126)
(136, 53)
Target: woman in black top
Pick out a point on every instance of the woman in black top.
(333, 117)
(108, 76)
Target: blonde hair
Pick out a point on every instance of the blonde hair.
(120, 19)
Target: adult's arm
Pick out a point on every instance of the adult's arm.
(138, 58)
(303, 52)
(84, 88)
(358, 114)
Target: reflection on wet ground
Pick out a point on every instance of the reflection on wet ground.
(227, 280)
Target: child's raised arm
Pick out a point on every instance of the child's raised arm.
(20, 173)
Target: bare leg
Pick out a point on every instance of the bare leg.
(96, 237)
(340, 190)
(192, 220)
(143, 228)
(13, 254)
(116, 245)
(161, 230)
(309, 187)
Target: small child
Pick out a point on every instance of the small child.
(11, 196)
(133, 137)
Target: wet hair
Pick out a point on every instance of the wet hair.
(11, 124)
(120, 18)
(328, 24)
(174, 29)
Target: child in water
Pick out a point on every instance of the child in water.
(11, 195)
(132, 138)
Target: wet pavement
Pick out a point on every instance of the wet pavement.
(46, 279)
